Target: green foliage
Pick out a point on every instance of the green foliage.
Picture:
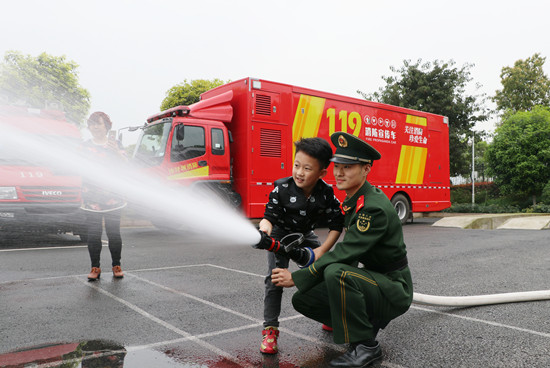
(38, 81)
(479, 160)
(485, 192)
(538, 208)
(519, 155)
(439, 88)
(489, 199)
(523, 86)
(187, 93)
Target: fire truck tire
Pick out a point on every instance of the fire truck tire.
(231, 197)
(402, 206)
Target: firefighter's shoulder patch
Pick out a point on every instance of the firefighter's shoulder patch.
(363, 222)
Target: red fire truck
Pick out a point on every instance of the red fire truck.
(239, 139)
(33, 195)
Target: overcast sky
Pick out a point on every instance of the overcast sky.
(131, 52)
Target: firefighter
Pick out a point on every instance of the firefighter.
(365, 282)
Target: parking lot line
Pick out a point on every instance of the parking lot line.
(257, 321)
(471, 319)
(189, 296)
(172, 328)
(104, 244)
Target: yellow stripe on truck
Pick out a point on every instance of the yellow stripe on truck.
(308, 117)
(412, 163)
(411, 119)
(201, 171)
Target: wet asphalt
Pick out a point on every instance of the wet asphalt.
(185, 302)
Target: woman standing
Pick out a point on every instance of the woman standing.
(101, 204)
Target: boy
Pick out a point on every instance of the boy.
(298, 204)
(355, 300)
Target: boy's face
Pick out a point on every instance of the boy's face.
(306, 172)
(350, 177)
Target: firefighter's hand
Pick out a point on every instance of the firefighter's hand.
(282, 277)
(318, 252)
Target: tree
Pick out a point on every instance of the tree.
(480, 163)
(519, 155)
(40, 81)
(523, 86)
(439, 88)
(188, 93)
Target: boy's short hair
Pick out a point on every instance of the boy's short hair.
(317, 148)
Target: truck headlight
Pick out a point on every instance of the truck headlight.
(7, 193)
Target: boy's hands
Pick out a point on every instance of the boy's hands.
(266, 226)
(282, 277)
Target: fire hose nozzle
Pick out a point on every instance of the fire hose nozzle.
(268, 243)
(289, 246)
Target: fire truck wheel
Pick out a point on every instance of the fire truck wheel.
(402, 206)
(232, 198)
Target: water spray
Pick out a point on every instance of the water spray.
(198, 209)
(202, 211)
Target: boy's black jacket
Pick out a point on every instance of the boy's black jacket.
(289, 209)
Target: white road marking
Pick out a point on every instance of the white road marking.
(257, 322)
(471, 319)
(166, 325)
(225, 309)
(104, 244)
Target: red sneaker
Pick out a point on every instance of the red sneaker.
(269, 343)
(326, 328)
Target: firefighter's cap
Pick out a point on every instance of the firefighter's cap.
(352, 150)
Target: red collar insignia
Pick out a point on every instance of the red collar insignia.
(360, 203)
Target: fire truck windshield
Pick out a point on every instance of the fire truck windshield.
(151, 145)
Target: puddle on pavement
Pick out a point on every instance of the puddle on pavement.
(108, 354)
(87, 354)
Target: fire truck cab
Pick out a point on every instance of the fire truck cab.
(33, 195)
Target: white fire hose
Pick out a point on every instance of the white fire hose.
(475, 300)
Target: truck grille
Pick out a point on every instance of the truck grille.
(51, 194)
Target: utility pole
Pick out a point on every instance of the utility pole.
(473, 169)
